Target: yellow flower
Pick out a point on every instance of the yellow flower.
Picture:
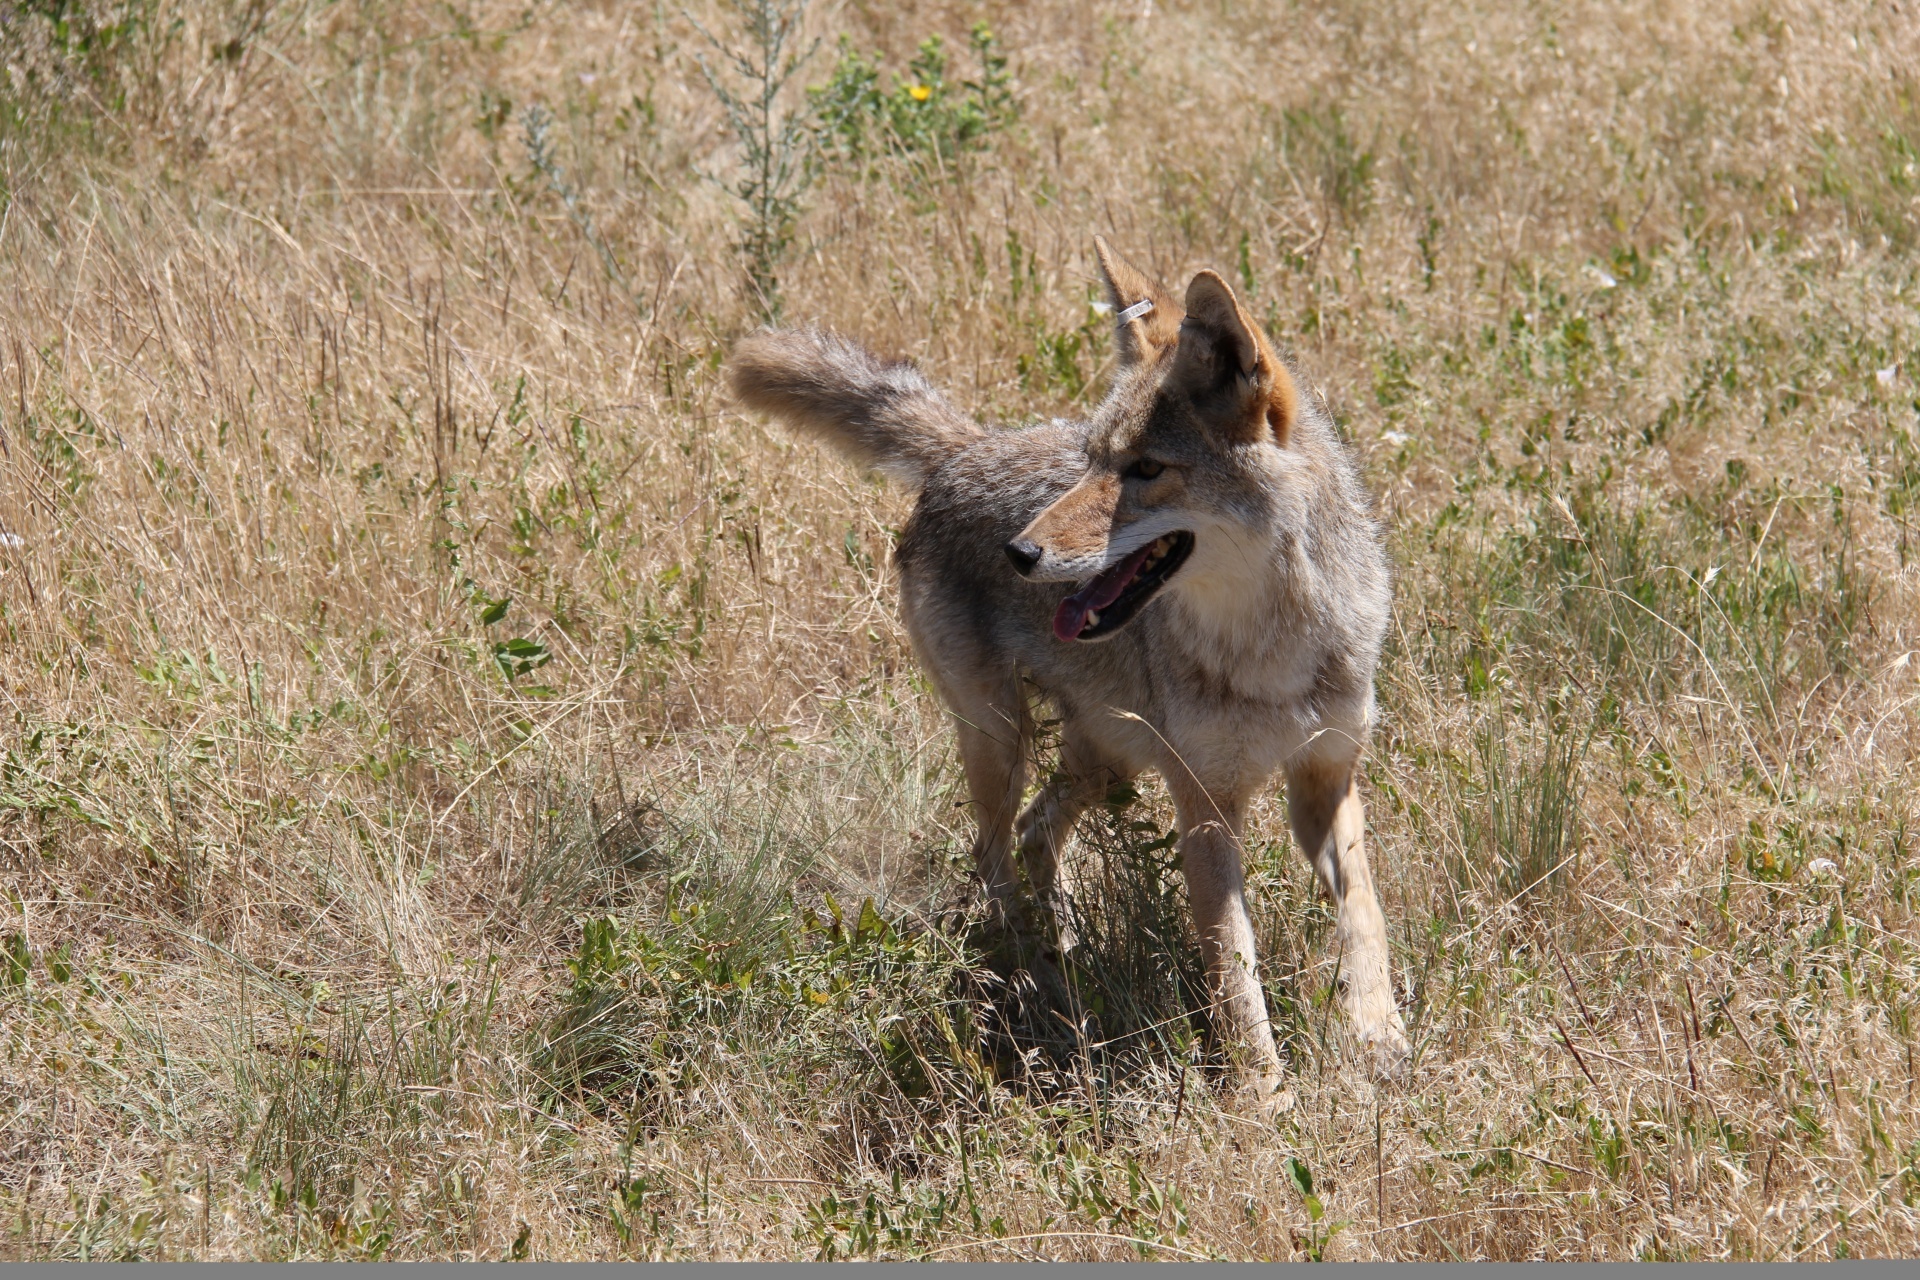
(920, 92)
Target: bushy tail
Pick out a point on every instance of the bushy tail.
(882, 414)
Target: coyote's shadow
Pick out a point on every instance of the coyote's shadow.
(1125, 995)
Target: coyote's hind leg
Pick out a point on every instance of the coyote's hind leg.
(1323, 803)
(1087, 774)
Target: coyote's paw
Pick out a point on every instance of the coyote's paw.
(1389, 1053)
(1056, 913)
(1382, 1035)
(1275, 1103)
(999, 913)
(1267, 1082)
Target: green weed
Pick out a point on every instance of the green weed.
(924, 115)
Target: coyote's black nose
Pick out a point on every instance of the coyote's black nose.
(1024, 555)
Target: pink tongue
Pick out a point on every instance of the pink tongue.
(1071, 617)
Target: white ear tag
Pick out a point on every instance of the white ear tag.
(1135, 311)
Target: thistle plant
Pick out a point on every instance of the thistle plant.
(536, 131)
(777, 141)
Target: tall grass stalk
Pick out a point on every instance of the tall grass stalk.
(1520, 832)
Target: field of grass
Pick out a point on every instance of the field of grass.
(465, 791)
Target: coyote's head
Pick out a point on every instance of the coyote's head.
(1186, 459)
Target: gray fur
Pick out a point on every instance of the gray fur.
(882, 414)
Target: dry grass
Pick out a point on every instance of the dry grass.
(326, 935)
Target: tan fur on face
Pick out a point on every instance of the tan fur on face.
(1080, 525)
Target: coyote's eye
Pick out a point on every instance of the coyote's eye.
(1145, 469)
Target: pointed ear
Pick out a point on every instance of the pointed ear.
(1225, 364)
(1145, 335)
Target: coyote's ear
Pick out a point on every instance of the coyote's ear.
(1226, 366)
(1155, 323)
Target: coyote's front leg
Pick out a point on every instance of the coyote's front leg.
(1210, 825)
(1323, 804)
(991, 721)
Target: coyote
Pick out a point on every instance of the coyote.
(1191, 575)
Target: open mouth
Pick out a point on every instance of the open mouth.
(1110, 600)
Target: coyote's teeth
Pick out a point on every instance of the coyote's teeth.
(1093, 617)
